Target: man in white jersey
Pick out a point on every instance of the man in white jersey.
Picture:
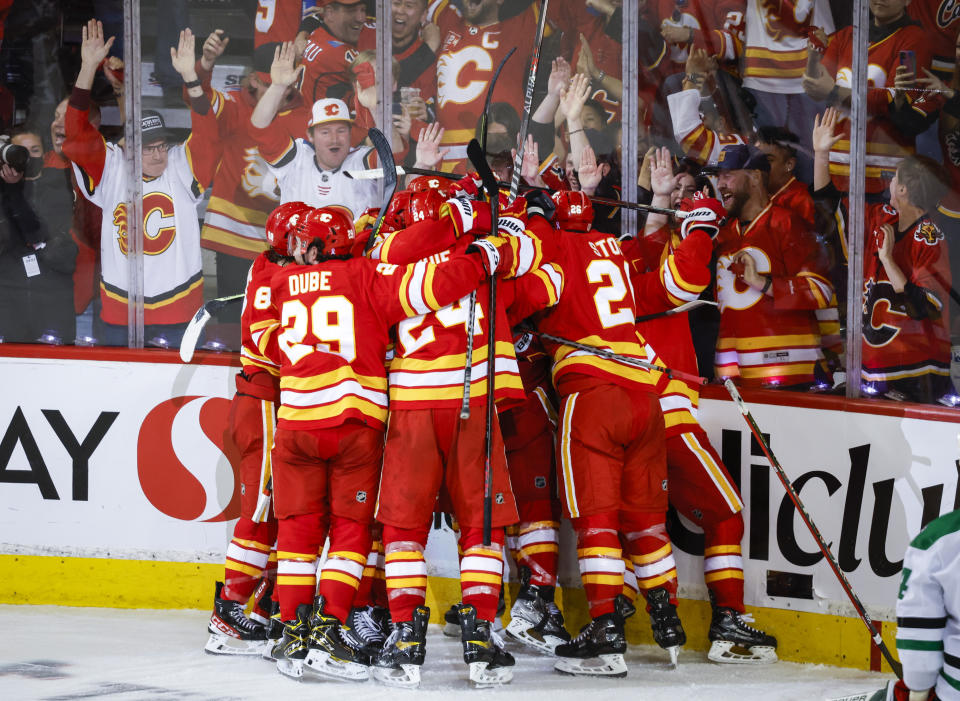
(173, 180)
(928, 613)
(311, 170)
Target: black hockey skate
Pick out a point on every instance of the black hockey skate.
(534, 619)
(403, 652)
(451, 619)
(231, 632)
(293, 647)
(266, 612)
(598, 649)
(667, 629)
(482, 650)
(733, 641)
(328, 655)
(365, 630)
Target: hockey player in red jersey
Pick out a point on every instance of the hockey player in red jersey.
(252, 425)
(771, 278)
(430, 449)
(676, 256)
(331, 322)
(612, 467)
(906, 277)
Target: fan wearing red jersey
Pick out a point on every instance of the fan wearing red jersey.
(677, 258)
(906, 278)
(473, 42)
(337, 33)
(329, 440)
(771, 278)
(252, 424)
(891, 33)
(276, 21)
(612, 469)
(430, 450)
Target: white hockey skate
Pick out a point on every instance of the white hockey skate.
(733, 641)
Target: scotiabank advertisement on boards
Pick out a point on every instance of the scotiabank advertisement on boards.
(132, 460)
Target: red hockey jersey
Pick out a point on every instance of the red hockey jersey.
(941, 22)
(897, 345)
(466, 60)
(327, 64)
(795, 196)
(258, 342)
(276, 20)
(597, 308)
(770, 340)
(886, 146)
(331, 322)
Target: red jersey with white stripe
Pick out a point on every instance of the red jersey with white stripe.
(886, 146)
(767, 340)
(941, 22)
(332, 323)
(427, 370)
(895, 344)
(245, 190)
(276, 20)
(466, 60)
(682, 270)
(258, 339)
(597, 307)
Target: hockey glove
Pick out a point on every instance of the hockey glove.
(467, 216)
(701, 212)
(494, 252)
(468, 186)
(539, 202)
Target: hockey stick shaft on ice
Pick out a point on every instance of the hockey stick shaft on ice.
(625, 359)
(821, 543)
(192, 333)
(472, 304)
(385, 156)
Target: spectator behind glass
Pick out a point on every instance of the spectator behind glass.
(337, 32)
(417, 72)
(174, 179)
(772, 274)
(891, 32)
(462, 79)
(906, 276)
(37, 254)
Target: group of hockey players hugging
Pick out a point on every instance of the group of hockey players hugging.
(576, 433)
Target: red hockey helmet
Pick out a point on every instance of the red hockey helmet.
(422, 183)
(424, 205)
(330, 228)
(398, 205)
(574, 210)
(281, 222)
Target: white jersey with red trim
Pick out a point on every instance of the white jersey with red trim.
(172, 277)
(301, 179)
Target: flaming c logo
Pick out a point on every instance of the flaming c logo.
(159, 223)
(184, 458)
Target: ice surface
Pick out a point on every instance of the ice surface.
(61, 653)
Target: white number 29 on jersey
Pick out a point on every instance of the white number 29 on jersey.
(605, 270)
(330, 320)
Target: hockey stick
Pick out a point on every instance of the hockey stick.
(801, 509)
(472, 304)
(528, 104)
(375, 173)
(610, 355)
(478, 158)
(677, 310)
(385, 156)
(192, 333)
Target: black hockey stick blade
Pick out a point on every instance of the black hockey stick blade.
(385, 156)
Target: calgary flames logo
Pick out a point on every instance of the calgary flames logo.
(786, 17)
(159, 224)
(928, 233)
